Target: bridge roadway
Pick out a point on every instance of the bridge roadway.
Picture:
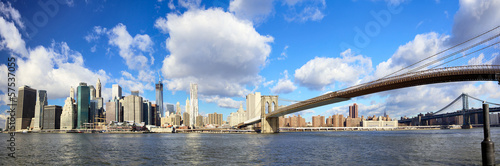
(470, 111)
(432, 76)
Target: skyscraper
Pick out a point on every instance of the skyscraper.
(170, 108)
(25, 107)
(83, 104)
(116, 92)
(194, 102)
(41, 101)
(353, 111)
(72, 93)
(52, 117)
(92, 92)
(187, 107)
(159, 99)
(253, 105)
(133, 108)
(98, 88)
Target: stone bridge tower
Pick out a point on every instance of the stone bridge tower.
(269, 125)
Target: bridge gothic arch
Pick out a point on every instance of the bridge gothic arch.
(269, 104)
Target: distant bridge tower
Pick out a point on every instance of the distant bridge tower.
(269, 125)
(465, 107)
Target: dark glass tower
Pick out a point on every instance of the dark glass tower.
(25, 110)
(83, 98)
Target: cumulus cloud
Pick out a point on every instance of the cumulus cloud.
(304, 10)
(11, 38)
(321, 71)
(96, 33)
(226, 66)
(422, 46)
(284, 85)
(254, 10)
(131, 48)
(475, 17)
(224, 102)
(128, 81)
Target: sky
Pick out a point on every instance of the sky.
(297, 49)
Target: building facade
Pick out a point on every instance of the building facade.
(133, 108)
(116, 92)
(159, 99)
(25, 110)
(83, 104)
(52, 117)
(193, 102)
(41, 102)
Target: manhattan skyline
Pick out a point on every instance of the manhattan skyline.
(294, 49)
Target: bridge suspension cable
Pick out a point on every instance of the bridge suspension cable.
(447, 56)
(460, 97)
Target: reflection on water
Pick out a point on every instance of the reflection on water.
(431, 147)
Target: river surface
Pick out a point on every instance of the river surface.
(422, 147)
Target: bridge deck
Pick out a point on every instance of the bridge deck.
(432, 76)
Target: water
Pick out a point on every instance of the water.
(429, 147)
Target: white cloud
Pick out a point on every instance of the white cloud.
(475, 17)
(130, 48)
(11, 38)
(254, 10)
(320, 71)
(10, 13)
(96, 33)
(190, 4)
(161, 24)
(302, 10)
(226, 66)
(224, 102)
(265, 84)
(171, 5)
(284, 85)
(422, 46)
(476, 60)
(283, 54)
(55, 69)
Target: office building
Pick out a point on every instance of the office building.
(318, 121)
(187, 107)
(52, 117)
(199, 121)
(185, 119)
(215, 119)
(132, 108)
(98, 89)
(72, 93)
(178, 111)
(237, 117)
(193, 102)
(92, 92)
(146, 113)
(68, 115)
(338, 120)
(83, 105)
(111, 111)
(156, 117)
(116, 92)
(25, 110)
(134, 92)
(253, 105)
(170, 108)
(41, 102)
(159, 98)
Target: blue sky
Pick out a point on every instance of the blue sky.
(297, 49)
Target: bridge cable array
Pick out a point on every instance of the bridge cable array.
(460, 97)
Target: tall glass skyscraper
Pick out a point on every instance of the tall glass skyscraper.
(159, 99)
(83, 101)
(194, 102)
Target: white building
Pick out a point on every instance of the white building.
(253, 105)
(237, 117)
(116, 92)
(193, 102)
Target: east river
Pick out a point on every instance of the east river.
(416, 147)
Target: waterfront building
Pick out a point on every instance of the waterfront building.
(215, 119)
(52, 117)
(237, 117)
(93, 112)
(185, 119)
(379, 122)
(175, 119)
(41, 101)
(83, 104)
(157, 118)
(253, 105)
(187, 108)
(199, 121)
(25, 110)
(292, 121)
(116, 92)
(146, 113)
(353, 111)
(338, 120)
(193, 102)
(353, 122)
(111, 111)
(318, 121)
(329, 121)
(68, 115)
(132, 108)
(72, 93)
